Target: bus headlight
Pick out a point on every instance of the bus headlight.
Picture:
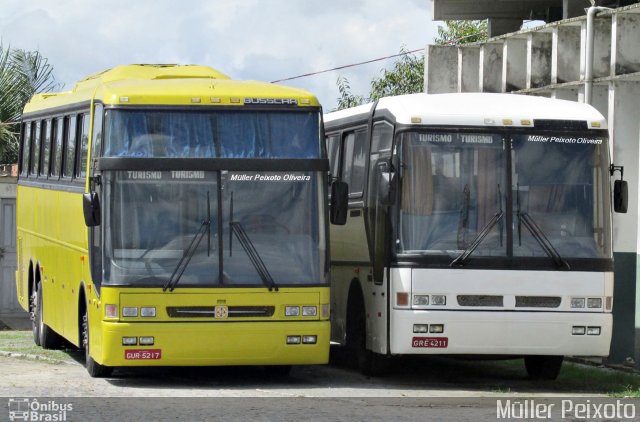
(578, 330)
(148, 311)
(577, 302)
(593, 331)
(420, 300)
(309, 311)
(594, 302)
(309, 339)
(129, 312)
(146, 341)
(438, 300)
(292, 311)
(293, 339)
(436, 328)
(129, 341)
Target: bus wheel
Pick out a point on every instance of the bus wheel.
(49, 339)
(94, 368)
(35, 323)
(543, 367)
(369, 363)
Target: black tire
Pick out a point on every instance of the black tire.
(35, 324)
(49, 339)
(94, 369)
(369, 363)
(543, 367)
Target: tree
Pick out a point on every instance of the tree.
(22, 74)
(462, 32)
(405, 77)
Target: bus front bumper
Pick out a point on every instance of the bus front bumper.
(214, 343)
(501, 333)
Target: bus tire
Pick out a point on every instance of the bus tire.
(543, 367)
(369, 363)
(33, 306)
(49, 339)
(94, 369)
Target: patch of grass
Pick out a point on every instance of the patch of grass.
(22, 342)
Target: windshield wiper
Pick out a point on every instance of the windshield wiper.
(253, 255)
(205, 227)
(538, 235)
(460, 260)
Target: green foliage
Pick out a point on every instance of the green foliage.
(22, 74)
(406, 77)
(462, 32)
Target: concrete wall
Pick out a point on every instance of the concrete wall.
(8, 300)
(549, 61)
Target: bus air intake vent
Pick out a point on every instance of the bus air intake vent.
(479, 300)
(210, 311)
(538, 301)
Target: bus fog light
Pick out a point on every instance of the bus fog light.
(593, 331)
(148, 312)
(129, 341)
(292, 311)
(436, 328)
(324, 310)
(402, 299)
(309, 339)
(111, 311)
(594, 302)
(309, 311)
(420, 300)
(420, 328)
(293, 340)
(146, 341)
(577, 302)
(129, 312)
(438, 299)
(578, 330)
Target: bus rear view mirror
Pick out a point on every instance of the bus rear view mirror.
(620, 196)
(339, 203)
(386, 184)
(91, 208)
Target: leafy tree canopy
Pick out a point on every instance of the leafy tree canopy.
(462, 32)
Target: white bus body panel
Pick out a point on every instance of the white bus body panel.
(506, 329)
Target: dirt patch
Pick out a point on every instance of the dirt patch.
(4, 327)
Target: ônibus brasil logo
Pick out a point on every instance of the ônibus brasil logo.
(23, 409)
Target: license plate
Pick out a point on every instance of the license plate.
(142, 354)
(430, 342)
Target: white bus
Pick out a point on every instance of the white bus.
(477, 225)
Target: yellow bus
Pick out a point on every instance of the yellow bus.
(168, 216)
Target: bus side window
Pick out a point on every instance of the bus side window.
(46, 148)
(56, 147)
(354, 159)
(333, 153)
(69, 156)
(382, 137)
(35, 149)
(25, 148)
(96, 142)
(81, 164)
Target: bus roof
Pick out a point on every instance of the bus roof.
(163, 84)
(474, 109)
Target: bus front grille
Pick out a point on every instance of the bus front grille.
(211, 312)
(480, 300)
(538, 301)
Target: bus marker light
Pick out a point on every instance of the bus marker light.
(293, 339)
(129, 341)
(305, 101)
(196, 100)
(608, 303)
(309, 311)
(111, 311)
(309, 339)
(234, 100)
(595, 124)
(148, 311)
(146, 341)
(215, 100)
(324, 310)
(292, 311)
(416, 119)
(129, 312)
(594, 302)
(488, 121)
(438, 299)
(420, 300)
(525, 122)
(577, 302)
(578, 330)
(436, 328)
(507, 122)
(593, 331)
(402, 299)
(420, 328)
(124, 99)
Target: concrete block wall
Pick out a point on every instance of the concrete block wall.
(550, 61)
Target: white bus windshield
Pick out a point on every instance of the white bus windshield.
(454, 186)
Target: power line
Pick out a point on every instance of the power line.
(347, 66)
